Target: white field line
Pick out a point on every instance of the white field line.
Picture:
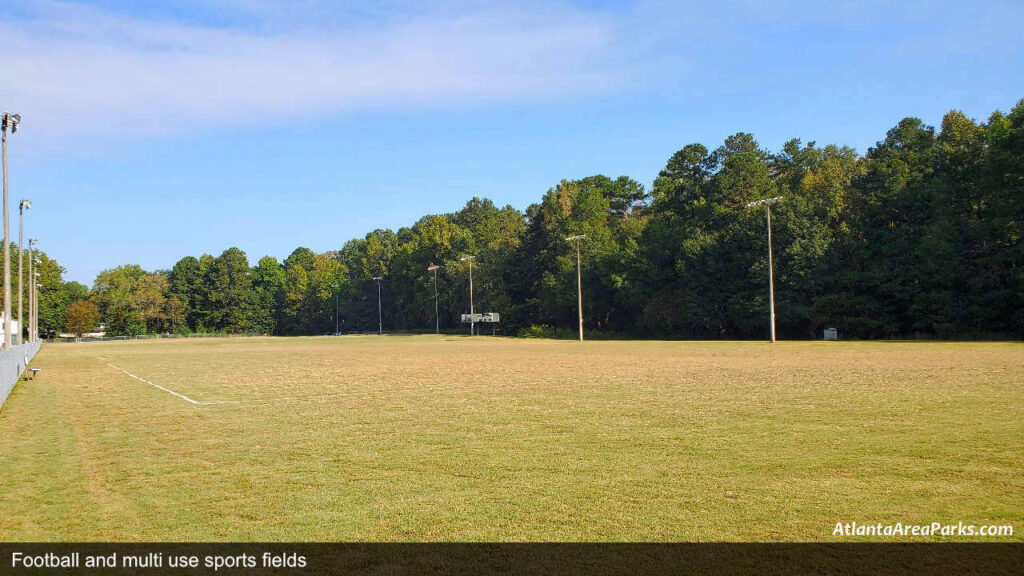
(168, 390)
(258, 401)
(280, 399)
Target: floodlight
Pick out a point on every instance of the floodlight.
(33, 241)
(378, 278)
(577, 237)
(464, 258)
(11, 121)
(766, 202)
(432, 267)
(26, 204)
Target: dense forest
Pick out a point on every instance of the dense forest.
(921, 237)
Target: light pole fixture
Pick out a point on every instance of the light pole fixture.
(32, 260)
(22, 206)
(380, 309)
(472, 319)
(437, 317)
(579, 278)
(10, 122)
(767, 202)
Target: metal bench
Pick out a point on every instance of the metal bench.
(30, 372)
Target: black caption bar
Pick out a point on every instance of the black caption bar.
(561, 559)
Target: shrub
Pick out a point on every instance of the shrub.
(545, 331)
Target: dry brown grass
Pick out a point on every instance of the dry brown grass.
(432, 438)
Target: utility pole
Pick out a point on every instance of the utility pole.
(579, 279)
(771, 274)
(7, 121)
(472, 319)
(437, 317)
(31, 290)
(36, 315)
(380, 308)
(22, 327)
(336, 288)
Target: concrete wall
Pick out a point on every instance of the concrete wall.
(12, 366)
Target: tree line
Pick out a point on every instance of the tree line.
(919, 237)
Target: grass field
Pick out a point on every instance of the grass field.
(435, 438)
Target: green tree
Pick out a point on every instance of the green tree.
(303, 257)
(81, 317)
(113, 292)
(364, 259)
(149, 299)
(294, 310)
(625, 196)
(174, 313)
(269, 283)
(230, 295)
(186, 283)
(921, 236)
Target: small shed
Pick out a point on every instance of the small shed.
(831, 334)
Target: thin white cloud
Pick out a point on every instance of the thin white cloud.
(73, 71)
(78, 73)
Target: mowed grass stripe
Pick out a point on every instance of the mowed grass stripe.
(424, 438)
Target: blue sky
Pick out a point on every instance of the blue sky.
(153, 130)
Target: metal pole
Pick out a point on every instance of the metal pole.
(7, 249)
(34, 289)
(31, 294)
(771, 274)
(380, 312)
(472, 319)
(21, 269)
(335, 310)
(579, 286)
(437, 314)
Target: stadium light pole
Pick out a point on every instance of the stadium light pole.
(22, 206)
(337, 287)
(437, 317)
(771, 275)
(380, 309)
(579, 278)
(38, 286)
(31, 292)
(472, 320)
(35, 312)
(7, 122)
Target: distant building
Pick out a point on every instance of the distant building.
(15, 327)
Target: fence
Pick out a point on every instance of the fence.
(12, 366)
(148, 337)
